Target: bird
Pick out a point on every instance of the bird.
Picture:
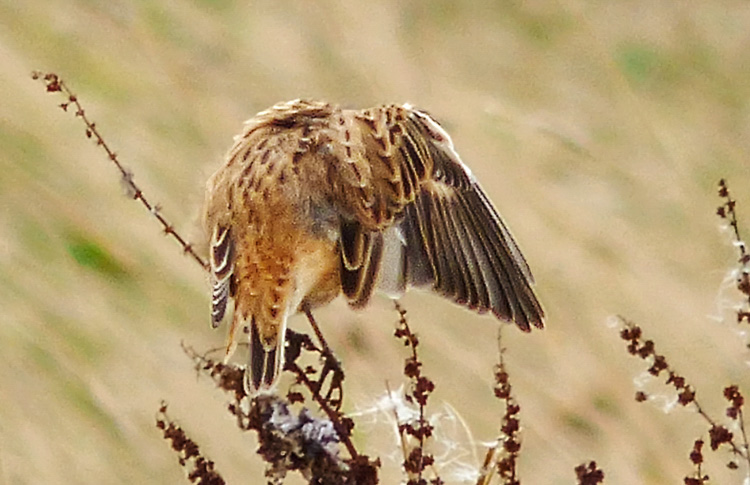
(314, 200)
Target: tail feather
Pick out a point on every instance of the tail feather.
(264, 366)
(222, 269)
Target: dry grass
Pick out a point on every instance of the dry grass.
(599, 130)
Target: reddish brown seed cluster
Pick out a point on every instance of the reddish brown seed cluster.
(198, 468)
(510, 428)
(736, 400)
(589, 474)
(416, 460)
(696, 457)
(646, 350)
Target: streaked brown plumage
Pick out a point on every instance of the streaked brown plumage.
(314, 200)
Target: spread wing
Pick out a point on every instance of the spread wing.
(415, 215)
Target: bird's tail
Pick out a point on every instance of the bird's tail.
(265, 363)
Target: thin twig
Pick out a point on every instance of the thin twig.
(55, 84)
(401, 437)
(333, 415)
(746, 455)
(417, 459)
(728, 211)
(646, 350)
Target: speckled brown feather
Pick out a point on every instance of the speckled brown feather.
(313, 200)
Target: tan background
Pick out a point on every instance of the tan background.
(599, 129)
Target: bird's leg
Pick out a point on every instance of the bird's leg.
(316, 329)
(331, 363)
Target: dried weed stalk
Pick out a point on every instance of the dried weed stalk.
(54, 84)
(198, 469)
(414, 435)
(719, 435)
(727, 211)
(290, 437)
(502, 457)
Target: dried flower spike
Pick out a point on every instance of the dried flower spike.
(197, 467)
(55, 84)
(502, 457)
(416, 459)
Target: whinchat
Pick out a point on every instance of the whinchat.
(314, 200)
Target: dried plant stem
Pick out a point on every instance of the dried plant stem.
(55, 84)
(501, 458)
(332, 414)
(728, 211)
(416, 459)
(198, 468)
(746, 454)
(646, 350)
(401, 437)
(411, 340)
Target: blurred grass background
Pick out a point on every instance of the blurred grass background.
(599, 129)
